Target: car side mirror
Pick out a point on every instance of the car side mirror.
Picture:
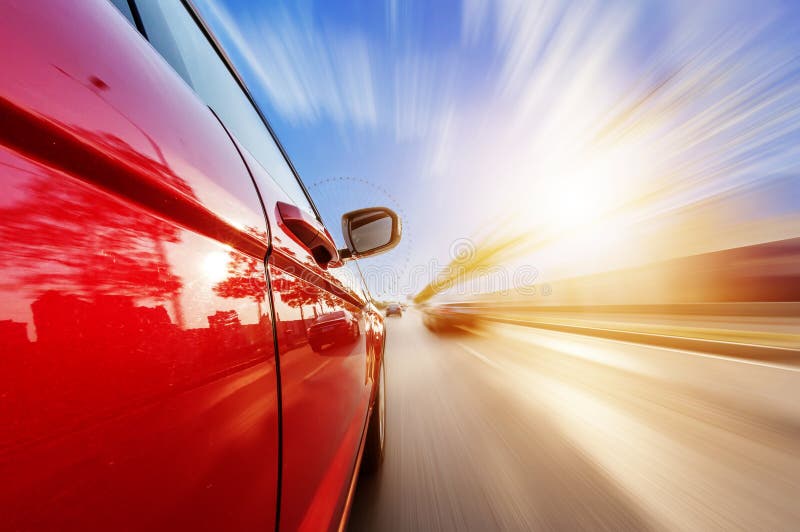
(370, 231)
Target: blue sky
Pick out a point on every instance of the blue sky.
(472, 117)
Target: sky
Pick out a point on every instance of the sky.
(609, 133)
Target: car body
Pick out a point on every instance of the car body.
(393, 309)
(162, 263)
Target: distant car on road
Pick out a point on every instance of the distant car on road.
(394, 310)
(447, 318)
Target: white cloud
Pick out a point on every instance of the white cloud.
(473, 18)
(417, 82)
(307, 76)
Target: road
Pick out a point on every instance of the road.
(515, 428)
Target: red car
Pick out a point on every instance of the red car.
(160, 266)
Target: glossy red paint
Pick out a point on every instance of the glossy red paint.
(137, 389)
(326, 388)
(139, 384)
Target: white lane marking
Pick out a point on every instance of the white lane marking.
(480, 356)
(771, 365)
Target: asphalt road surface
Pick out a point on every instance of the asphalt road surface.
(523, 429)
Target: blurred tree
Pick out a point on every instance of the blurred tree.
(80, 240)
(246, 277)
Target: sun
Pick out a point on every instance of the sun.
(569, 203)
(578, 194)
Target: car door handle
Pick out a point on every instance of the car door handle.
(308, 232)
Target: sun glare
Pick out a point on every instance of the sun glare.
(569, 202)
(577, 194)
(215, 266)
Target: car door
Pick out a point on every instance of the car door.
(138, 382)
(329, 347)
(327, 373)
(325, 387)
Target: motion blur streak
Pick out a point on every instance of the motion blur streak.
(612, 133)
(514, 428)
(609, 195)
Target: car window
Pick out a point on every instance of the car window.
(351, 277)
(125, 9)
(174, 33)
